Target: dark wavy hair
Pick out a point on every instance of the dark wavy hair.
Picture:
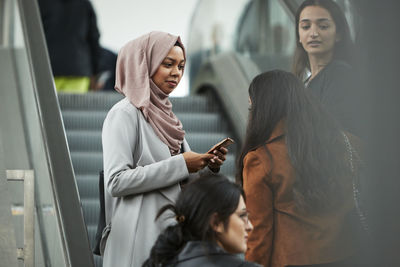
(344, 48)
(197, 203)
(314, 141)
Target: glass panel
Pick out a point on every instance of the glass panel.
(260, 30)
(282, 29)
(266, 34)
(212, 30)
(23, 141)
(247, 37)
(214, 24)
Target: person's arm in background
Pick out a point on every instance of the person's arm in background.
(259, 202)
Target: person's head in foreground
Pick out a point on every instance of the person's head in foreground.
(211, 210)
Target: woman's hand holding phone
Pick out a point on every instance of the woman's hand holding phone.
(195, 161)
(219, 151)
(214, 158)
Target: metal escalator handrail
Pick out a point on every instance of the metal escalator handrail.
(68, 208)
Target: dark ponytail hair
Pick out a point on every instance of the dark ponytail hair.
(314, 140)
(197, 203)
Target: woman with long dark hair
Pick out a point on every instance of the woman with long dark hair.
(211, 226)
(324, 59)
(295, 172)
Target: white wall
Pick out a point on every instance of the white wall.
(120, 21)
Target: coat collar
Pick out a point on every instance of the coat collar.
(194, 249)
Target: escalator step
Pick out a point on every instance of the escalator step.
(93, 120)
(90, 141)
(91, 211)
(89, 101)
(104, 101)
(87, 162)
(88, 185)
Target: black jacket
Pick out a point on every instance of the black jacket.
(197, 253)
(72, 36)
(337, 89)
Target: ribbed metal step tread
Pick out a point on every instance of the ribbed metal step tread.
(92, 229)
(105, 100)
(93, 120)
(90, 141)
(91, 211)
(88, 186)
(98, 261)
(87, 163)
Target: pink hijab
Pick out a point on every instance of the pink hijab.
(137, 62)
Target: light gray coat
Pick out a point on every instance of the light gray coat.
(140, 176)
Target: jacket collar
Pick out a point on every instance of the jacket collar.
(194, 249)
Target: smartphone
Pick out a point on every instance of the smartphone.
(224, 143)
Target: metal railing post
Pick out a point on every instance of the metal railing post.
(27, 253)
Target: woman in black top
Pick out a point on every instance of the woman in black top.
(212, 225)
(323, 59)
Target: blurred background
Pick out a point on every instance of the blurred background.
(50, 141)
(124, 20)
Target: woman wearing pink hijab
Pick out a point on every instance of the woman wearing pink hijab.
(145, 153)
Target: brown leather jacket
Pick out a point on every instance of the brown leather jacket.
(282, 235)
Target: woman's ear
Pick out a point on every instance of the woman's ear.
(216, 224)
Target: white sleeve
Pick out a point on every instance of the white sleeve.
(120, 137)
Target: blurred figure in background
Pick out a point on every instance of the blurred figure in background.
(72, 40)
(105, 80)
(296, 173)
(211, 226)
(217, 35)
(324, 59)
